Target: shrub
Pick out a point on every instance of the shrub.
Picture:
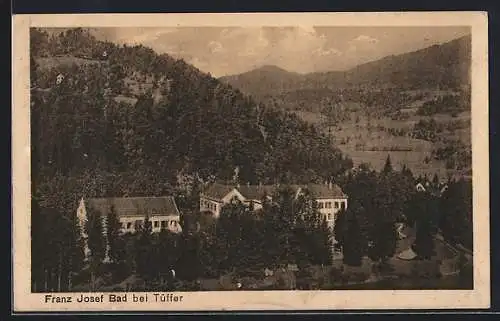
(357, 277)
(335, 274)
(425, 270)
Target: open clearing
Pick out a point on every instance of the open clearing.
(369, 141)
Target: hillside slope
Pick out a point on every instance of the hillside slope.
(445, 66)
(415, 106)
(265, 80)
(132, 122)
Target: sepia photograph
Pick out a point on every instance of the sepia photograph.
(263, 159)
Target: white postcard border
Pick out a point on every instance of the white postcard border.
(25, 301)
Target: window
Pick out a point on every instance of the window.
(336, 204)
(129, 225)
(156, 224)
(328, 205)
(330, 216)
(320, 205)
(154, 211)
(343, 204)
(163, 224)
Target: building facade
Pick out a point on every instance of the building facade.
(131, 212)
(330, 198)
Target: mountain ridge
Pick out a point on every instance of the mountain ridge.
(137, 114)
(446, 64)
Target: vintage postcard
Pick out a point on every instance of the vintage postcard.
(249, 162)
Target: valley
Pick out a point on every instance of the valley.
(367, 140)
(414, 107)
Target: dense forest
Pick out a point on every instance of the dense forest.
(95, 133)
(402, 96)
(378, 200)
(110, 120)
(193, 125)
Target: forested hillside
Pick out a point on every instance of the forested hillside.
(445, 66)
(415, 106)
(111, 120)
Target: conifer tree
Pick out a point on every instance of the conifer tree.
(77, 255)
(144, 250)
(384, 238)
(95, 235)
(425, 216)
(315, 237)
(114, 241)
(324, 243)
(388, 165)
(349, 234)
(435, 181)
(456, 213)
(95, 241)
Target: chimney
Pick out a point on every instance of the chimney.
(330, 185)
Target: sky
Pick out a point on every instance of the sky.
(302, 49)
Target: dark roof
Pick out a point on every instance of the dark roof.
(134, 206)
(325, 191)
(217, 190)
(256, 192)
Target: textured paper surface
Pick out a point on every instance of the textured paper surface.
(24, 300)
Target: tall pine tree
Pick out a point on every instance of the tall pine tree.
(144, 250)
(388, 165)
(115, 244)
(349, 234)
(95, 241)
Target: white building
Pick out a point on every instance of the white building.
(329, 197)
(330, 200)
(131, 212)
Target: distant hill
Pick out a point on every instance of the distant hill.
(439, 66)
(265, 80)
(446, 65)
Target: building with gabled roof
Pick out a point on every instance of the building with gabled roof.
(131, 211)
(329, 197)
(433, 188)
(326, 191)
(162, 212)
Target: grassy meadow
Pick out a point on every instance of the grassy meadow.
(370, 139)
